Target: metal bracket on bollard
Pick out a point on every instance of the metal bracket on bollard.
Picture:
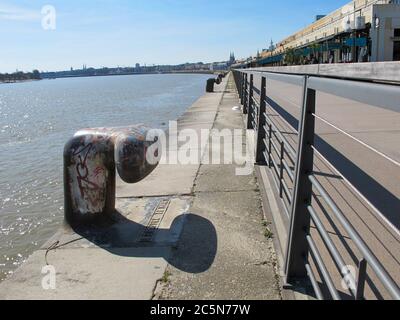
(91, 159)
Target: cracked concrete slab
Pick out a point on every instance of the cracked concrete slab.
(244, 263)
(227, 179)
(92, 274)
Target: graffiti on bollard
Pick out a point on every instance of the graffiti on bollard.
(92, 158)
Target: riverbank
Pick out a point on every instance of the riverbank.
(210, 243)
(133, 74)
(19, 81)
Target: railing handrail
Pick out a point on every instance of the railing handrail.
(364, 92)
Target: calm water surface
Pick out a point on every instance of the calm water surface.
(36, 120)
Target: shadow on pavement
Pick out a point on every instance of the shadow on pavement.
(383, 199)
(122, 237)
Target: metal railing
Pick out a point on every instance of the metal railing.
(297, 167)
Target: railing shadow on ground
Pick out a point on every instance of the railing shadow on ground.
(384, 200)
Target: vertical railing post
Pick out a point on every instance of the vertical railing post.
(245, 95)
(250, 104)
(362, 275)
(297, 248)
(261, 134)
(270, 145)
(241, 87)
(282, 155)
(237, 80)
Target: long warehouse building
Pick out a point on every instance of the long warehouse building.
(361, 31)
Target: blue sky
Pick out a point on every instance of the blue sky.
(124, 32)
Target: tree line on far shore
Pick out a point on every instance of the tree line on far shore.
(20, 76)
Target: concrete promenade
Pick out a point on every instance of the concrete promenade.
(186, 232)
(245, 265)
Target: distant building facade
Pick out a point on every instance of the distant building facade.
(361, 31)
(219, 66)
(223, 66)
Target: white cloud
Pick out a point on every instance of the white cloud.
(14, 13)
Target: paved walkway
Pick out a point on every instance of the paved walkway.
(239, 260)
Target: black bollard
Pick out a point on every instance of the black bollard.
(210, 85)
(91, 159)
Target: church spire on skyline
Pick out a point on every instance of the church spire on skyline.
(232, 58)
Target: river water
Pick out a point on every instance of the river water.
(37, 119)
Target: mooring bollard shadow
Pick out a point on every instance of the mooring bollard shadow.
(197, 247)
(91, 159)
(193, 240)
